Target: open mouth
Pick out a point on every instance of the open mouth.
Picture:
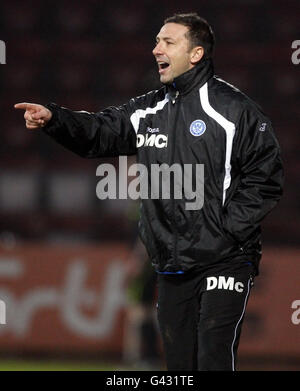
(162, 66)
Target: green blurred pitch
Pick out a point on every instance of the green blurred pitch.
(55, 365)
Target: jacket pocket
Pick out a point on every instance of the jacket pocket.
(215, 218)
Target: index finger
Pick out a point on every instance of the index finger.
(25, 106)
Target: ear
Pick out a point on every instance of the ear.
(196, 54)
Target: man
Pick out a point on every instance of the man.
(206, 258)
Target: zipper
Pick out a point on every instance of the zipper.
(175, 232)
(175, 97)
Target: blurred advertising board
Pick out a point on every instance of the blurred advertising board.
(63, 298)
(272, 321)
(74, 299)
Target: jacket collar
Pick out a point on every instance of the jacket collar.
(195, 77)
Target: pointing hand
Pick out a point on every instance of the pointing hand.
(36, 116)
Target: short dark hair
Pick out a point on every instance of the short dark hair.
(200, 32)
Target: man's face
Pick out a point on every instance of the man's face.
(172, 52)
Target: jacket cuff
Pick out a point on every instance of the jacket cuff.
(54, 121)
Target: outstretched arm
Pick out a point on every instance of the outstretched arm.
(106, 133)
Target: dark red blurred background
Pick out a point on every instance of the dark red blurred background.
(93, 54)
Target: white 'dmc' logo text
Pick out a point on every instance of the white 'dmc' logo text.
(151, 140)
(222, 283)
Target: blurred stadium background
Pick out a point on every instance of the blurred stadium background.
(65, 256)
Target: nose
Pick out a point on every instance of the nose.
(157, 50)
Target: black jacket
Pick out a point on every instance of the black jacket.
(199, 119)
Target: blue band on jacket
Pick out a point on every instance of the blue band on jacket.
(179, 272)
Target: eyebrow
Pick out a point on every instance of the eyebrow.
(164, 39)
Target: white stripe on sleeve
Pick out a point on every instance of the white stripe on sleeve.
(138, 114)
(229, 128)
